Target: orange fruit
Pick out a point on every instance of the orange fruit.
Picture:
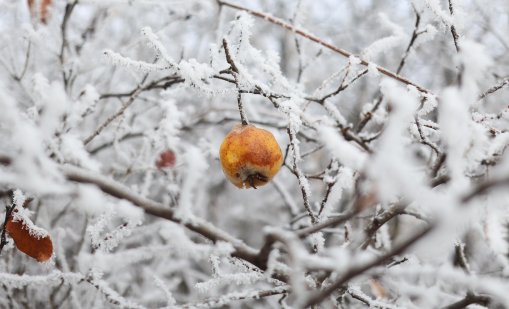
(250, 156)
(39, 248)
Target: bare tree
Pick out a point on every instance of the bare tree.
(392, 121)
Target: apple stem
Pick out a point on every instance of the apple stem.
(234, 71)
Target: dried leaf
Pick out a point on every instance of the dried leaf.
(35, 246)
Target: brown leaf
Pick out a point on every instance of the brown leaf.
(377, 289)
(39, 248)
(45, 4)
(167, 158)
(42, 13)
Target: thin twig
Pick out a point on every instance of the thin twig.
(113, 117)
(415, 34)
(167, 82)
(454, 33)
(495, 88)
(424, 140)
(8, 212)
(300, 176)
(234, 71)
(459, 248)
(69, 8)
(25, 65)
(162, 83)
(325, 224)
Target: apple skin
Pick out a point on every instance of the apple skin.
(250, 156)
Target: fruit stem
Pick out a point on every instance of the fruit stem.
(243, 117)
(234, 71)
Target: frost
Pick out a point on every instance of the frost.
(429, 104)
(106, 240)
(354, 60)
(196, 74)
(153, 41)
(72, 151)
(475, 60)
(141, 66)
(428, 147)
(394, 160)
(386, 43)
(196, 167)
(342, 150)
(237, 279)
(21, 214)
(90, 200)
(336, 115)
(373, 69)
(441, 14)
(19, 198)
(161, 285)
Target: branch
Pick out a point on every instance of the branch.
(226, 299)
(483, 187)
(316, 39)
(302, 233)
(115, 189)
(495, 88)
(470, 299)
(372, 303)
(356, 271)
(264, 252)
(379, 220)
(161, 83)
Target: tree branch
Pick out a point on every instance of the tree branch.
(353, 272)
(154, 208)
(316, 39)
(470, 299)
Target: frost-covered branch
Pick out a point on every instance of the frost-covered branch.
(353, 272)
(199, 226)
(470, 299)
(229, 298)
(494, 89)
(316, 39)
